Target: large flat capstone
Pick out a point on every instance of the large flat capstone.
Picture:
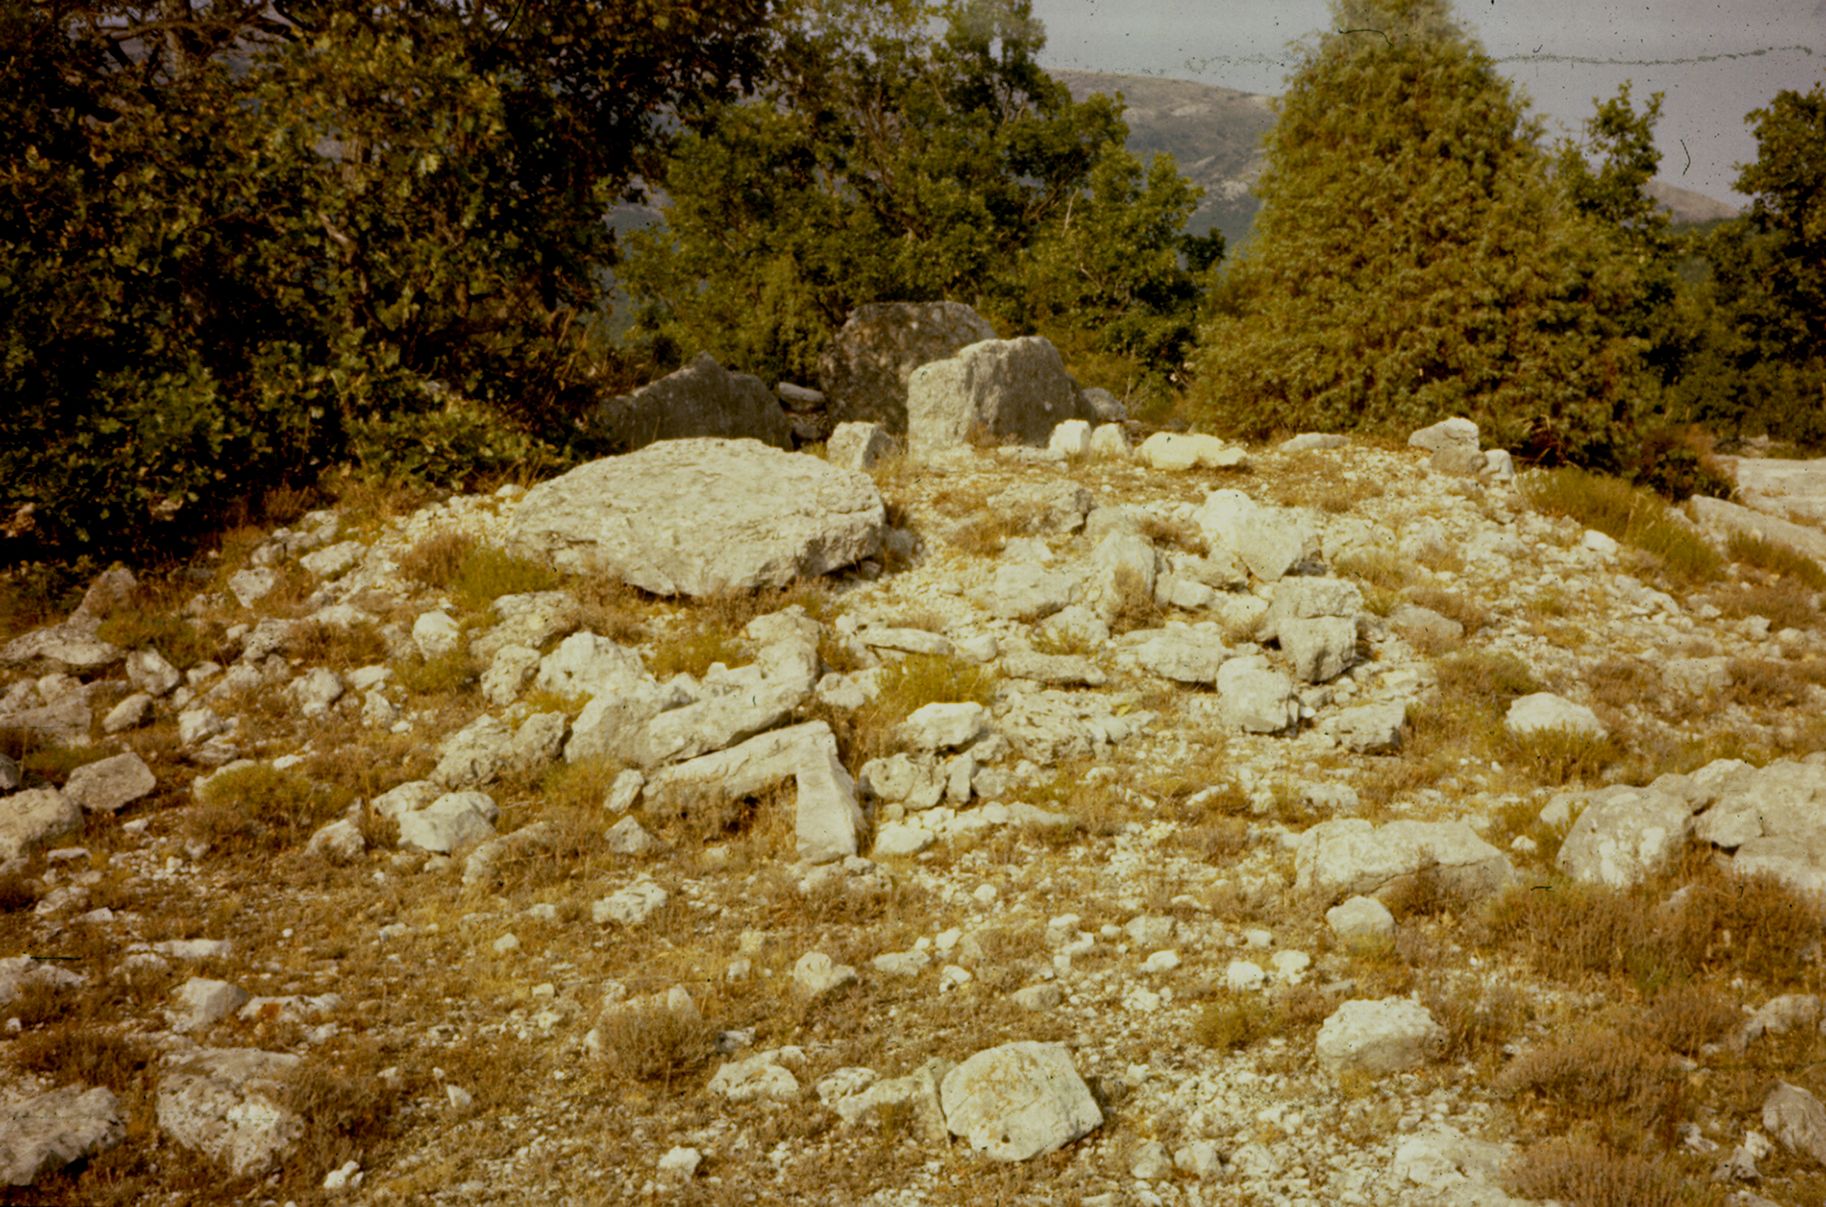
(702, 517)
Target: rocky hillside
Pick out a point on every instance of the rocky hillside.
(1318, 824)
(1216, 135)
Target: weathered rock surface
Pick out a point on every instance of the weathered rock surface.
(701, 399)
(1387, 1036)
(1349, 856)
(30, 821)
(1018, 1101)
(1255, 697)
(1271, 541)
(866, 367)
(48, 1131)
(109, 785)
(702, 517)
(1544, 712)
(225, 1103)
(1010, 389)
(1178, 451)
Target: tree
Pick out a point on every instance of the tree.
(1414, 259)
(1768, 274)
(885, 163)
(239, 239)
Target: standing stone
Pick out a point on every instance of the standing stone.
(701, 399)
(1014, 389)
(867, 364)
(1018, 1101)
(826, 815)
(702, 517)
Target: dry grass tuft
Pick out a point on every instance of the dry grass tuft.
(1636, 517)
(1454, 605)
(79, 1050)
(1135, 607)
(473, 574)
(904, 686)
(1478, 1019)
(1768, 683)
(1784, 603)
(1232, 1021)
(1583, 1174)
(1775, 558)
(261, 808)
(655, 1044)
(1562, 755)
(339, 647)
(445, 676)
(1598, 1072)
(1689, 1017)
(346, 1107)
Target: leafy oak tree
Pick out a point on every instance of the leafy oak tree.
(1415, 258)
(240, 241)
(884, 162)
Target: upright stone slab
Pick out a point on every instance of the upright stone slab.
(866, 366)
(1009, 389)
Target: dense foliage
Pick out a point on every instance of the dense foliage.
(235, 245)
(1415, 258)
(1764, 356)
(883, 163)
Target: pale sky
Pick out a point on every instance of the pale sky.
(1715, 59)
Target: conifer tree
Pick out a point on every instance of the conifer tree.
(1414, 258)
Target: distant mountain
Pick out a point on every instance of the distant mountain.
(1216, 136)
(1214, 133)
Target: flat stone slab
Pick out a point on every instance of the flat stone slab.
(702, 517)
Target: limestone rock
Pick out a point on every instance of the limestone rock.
(1018, 1101)
(65, 721)
(435, 634)
(1797, 1120)
(1544, 712)
(224, 1102)
(1320, 649)
(1349, 856)
(816, 975)
(826, 817)
(701, 399)
(1183, 654)
(1625, 835)
(1255, 698)
(531, 619)
(1177, 451)
(758, 1077)
(632, 905)
(1369, 728)
(45, 1132)
(858, 446)
(334, 560)
(450, 821)
(1043, 507)
(148, 672)
(31, 821)
(1109, 440)
(745, 769)
(199, 1002)
(1005, 388)
(507, 674)
(1387, 1036)
(1457, 434)
(1361, 920)
(132, 712)
(702, 517)
(915, 1096)
(1024, 591)
(109, 785)
(1123, 570)
(338, 842)
(866, 366)
(1272, 541)
(587, 665)
(1447, 1169)
(1071, 438)
(945, 726)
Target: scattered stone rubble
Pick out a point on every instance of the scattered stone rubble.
(1259, 652)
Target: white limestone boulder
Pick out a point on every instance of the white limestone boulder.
(702, 517)
(1018, 1101)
